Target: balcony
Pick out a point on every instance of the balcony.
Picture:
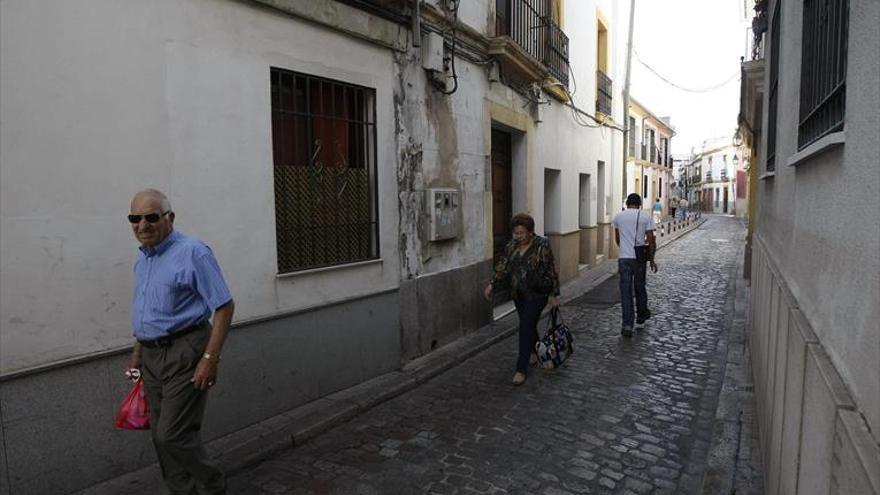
(759, 29)
(528, 44)
(604, 93)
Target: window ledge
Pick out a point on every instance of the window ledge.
(377, 261)
(824, 144)
(767, 175)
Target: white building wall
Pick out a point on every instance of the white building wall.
(140, 94)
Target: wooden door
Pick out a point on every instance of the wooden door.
(725, 199)
(502, 197)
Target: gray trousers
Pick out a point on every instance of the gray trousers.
(176, 411)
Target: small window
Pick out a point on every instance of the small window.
(823, 69)
(770, 164)
(324, 152)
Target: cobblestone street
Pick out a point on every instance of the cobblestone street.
(621, 416)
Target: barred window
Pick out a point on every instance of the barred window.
(823, 69)
(770, 164)
(631, 135)
(324, 153)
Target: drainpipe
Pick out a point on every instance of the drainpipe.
(417, 23)
(627, 135)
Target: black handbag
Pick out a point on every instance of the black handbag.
(642, 252)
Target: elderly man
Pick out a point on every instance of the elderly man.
(177, 286)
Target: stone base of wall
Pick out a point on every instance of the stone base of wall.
(813, 437)
(605, 241)
(438, 308)
(566, 248)
(58, 434)
(588, 245)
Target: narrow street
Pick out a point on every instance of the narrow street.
(622, 416)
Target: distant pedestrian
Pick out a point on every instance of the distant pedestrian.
(673, 206)
(529, 270)
(178, 286)
(634, 233)
(683, 208)
(658, 211)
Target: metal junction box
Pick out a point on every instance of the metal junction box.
(443, 214)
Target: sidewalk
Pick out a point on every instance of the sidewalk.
(250, 445)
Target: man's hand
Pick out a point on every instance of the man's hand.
(206, 374)
(487, 292)
(553, 301)
(135, 361)
(653, 267)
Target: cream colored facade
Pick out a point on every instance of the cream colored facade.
(722, 185)
(649, 156)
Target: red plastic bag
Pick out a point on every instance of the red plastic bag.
(134, 412)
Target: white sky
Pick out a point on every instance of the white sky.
(695, 44)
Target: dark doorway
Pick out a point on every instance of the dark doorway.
(502, 198)
(725, 199)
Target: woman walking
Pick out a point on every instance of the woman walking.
(529, 270)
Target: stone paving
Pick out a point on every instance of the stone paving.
(631, 416)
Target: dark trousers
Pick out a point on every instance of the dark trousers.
(632, 279)
(176, 411)
(529, 312)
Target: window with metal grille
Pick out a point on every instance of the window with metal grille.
(631, 135)
(324, 152)
(823, 69)
(770, 163)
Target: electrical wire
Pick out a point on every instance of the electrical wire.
(682, 88)
(454, 9)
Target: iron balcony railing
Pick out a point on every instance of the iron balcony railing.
(530, 24)
(603, 95)
(556, 55)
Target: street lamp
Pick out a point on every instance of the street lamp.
(735, 161)
(737, 138)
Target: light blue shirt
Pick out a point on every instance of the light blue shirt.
(177, 284)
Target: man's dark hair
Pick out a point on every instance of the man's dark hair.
(524, 220)
(633, 200)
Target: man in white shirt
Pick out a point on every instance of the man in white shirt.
(634, 231)
(683, 207)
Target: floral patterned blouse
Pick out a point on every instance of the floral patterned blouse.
(530, 274)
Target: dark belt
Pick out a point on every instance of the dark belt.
(169, 339)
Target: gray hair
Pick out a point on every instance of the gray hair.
(165, 203)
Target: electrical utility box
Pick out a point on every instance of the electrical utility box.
(443, 214)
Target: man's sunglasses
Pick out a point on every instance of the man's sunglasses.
(149, 217)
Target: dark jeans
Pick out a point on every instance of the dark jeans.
(529, 312)
(632, 279)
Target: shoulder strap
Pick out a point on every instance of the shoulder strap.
(636, 234)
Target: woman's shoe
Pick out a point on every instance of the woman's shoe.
(519, 378)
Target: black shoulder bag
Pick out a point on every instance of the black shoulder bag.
(642, 254)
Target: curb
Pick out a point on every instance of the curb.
(250, 445)
(729, 468)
